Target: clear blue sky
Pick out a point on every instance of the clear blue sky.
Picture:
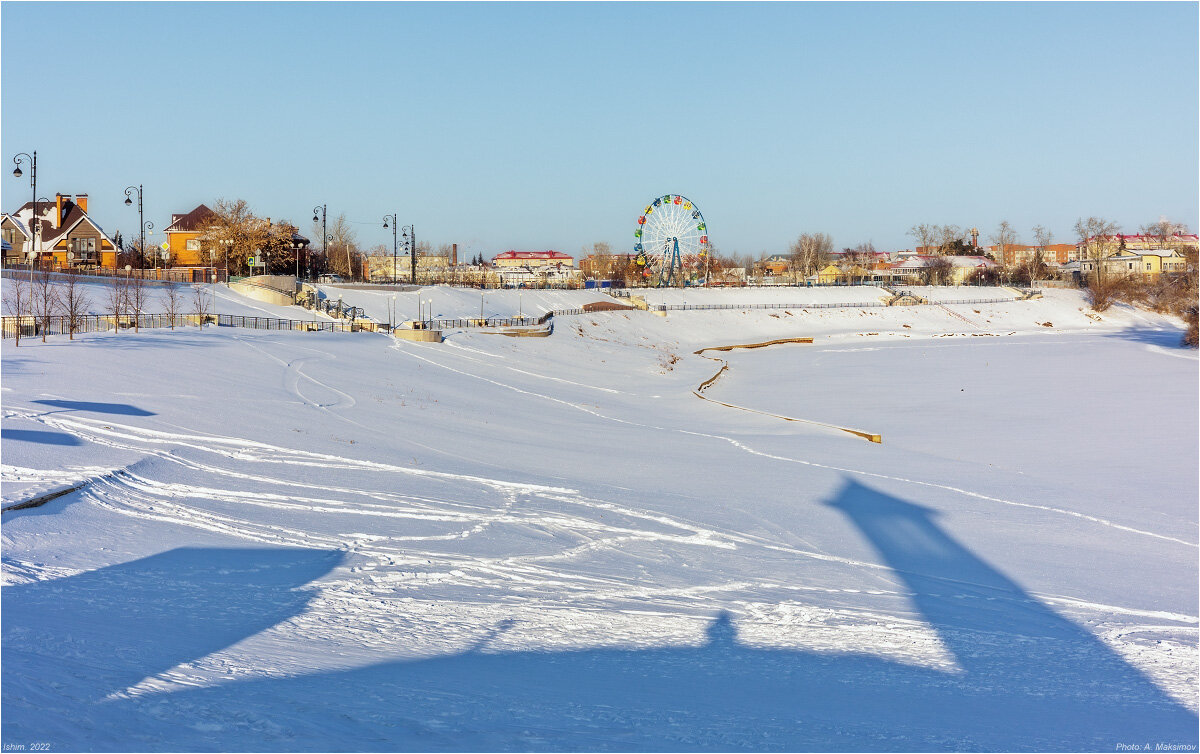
(534, 126)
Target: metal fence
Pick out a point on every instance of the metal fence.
(301, 325)
(62, 325)
(709, 307)
(976, 300)
(840, 305)
(450, 324)
(184, 275)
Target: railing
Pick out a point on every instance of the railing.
(451, 324)
(976, 300)
(301, 325)
(186, 275)
(337, 308)
(709, 307)
(62, 325)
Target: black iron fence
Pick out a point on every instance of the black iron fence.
(64, 325)
(451, 324)
(60, 324)
(823, 305)
(710, 307)
(185, 275)
(976, 300)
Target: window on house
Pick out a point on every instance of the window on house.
(193, 244)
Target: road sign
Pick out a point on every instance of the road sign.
(165, 253)
(70, 256)
(165, 246)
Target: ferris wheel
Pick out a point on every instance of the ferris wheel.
(672, 240)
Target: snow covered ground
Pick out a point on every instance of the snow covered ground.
(335, 541)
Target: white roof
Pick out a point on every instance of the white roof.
(17, 222)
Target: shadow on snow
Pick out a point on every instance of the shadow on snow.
(40, 436)
(1026, 678)
(122, 409)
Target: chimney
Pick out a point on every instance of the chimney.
(454, 255)
(58, 209)
(81, 200)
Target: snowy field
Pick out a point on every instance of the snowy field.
(335, 541)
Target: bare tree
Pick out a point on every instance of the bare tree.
(1164, 231)
(74, 300)
(937, 271)
(172, 302)
(44, 300)
(948, 236)
(1003, 239)
(342, 247)
(1042, 238)
(16, 301)
(810, 252)
(201, 304)
(115, 299)
(1096, 237)
(859, 260)
(924, 235)
(137, 294)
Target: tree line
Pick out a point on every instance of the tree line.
(45, 295)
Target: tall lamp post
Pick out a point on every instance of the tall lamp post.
(33, 225)
(296, 247)
(409, 234)
(395, 230)
(227, 244)
(319, 215)
(143, 225)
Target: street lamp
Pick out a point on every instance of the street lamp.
(319, 215)
(392, 313)
(33, 226)
(228, 244)
(409, 234)
(395, 229)
(296, 247)
(142, 224)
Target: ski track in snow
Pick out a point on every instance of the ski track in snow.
(858, 472)
(136, 493)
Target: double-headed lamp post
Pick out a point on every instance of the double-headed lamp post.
(320, 215)
(143, 225)
(296, 247)
(33, 225)
(395, 240)
(227, 244)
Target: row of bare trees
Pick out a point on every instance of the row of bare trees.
(43, 297)
(66, 295)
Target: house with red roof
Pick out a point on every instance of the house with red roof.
(62, 233)
(532, 259)
(535, 267)
(183, 236)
